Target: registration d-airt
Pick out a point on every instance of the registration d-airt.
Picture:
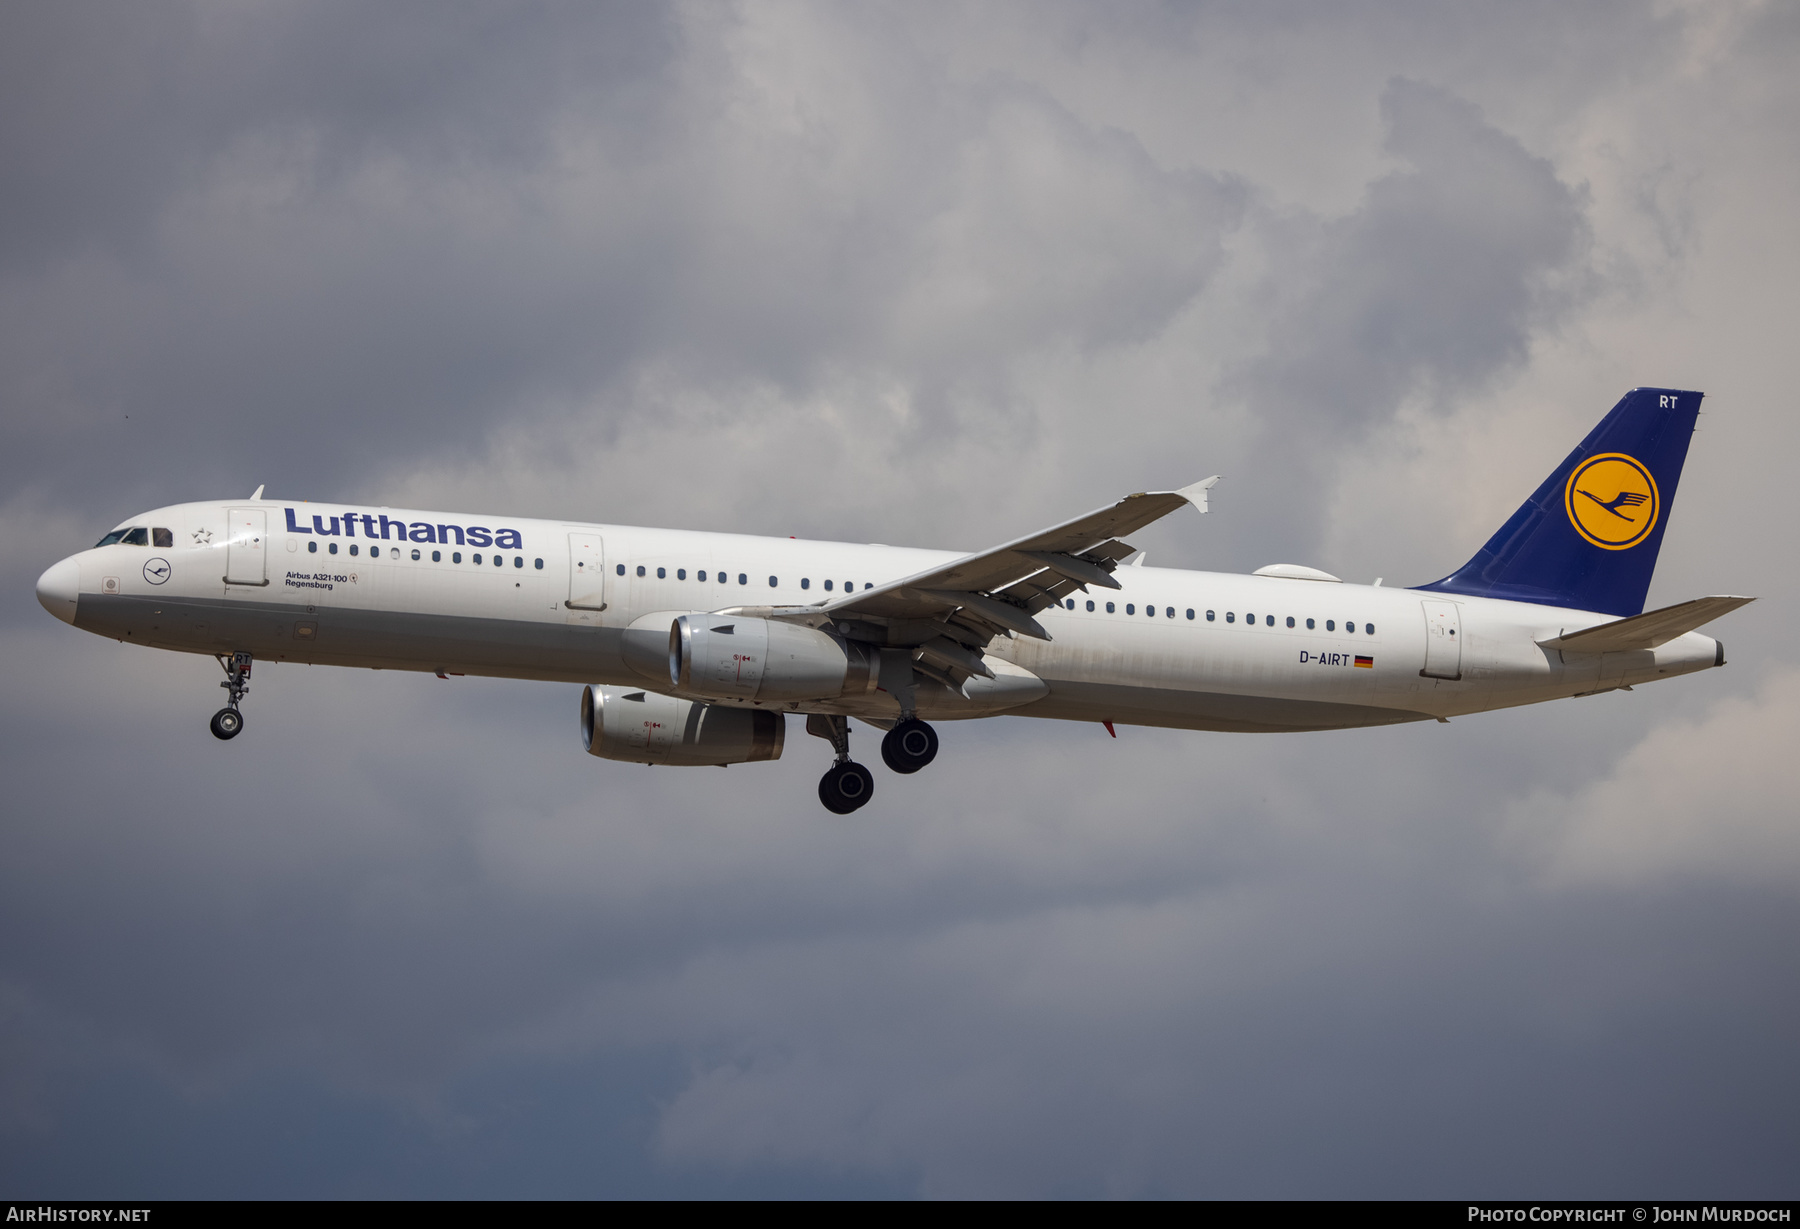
(695, 648)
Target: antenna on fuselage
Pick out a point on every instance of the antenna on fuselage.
(257, 493)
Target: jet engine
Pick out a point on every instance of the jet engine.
(725, 657)
(642, 727)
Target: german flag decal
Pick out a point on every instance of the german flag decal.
(1364, 663)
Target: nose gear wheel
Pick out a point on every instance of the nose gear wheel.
(228, 722)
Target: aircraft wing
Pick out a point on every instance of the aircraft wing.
(1648, 630)
(998, 591)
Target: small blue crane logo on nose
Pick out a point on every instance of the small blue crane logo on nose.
(156, 571)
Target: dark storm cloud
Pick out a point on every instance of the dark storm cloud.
(372, 239)
(1432, 288)
(232, 225)
(114, 109)
(1437, 282)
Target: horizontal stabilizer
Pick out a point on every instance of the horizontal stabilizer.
(1648, 630)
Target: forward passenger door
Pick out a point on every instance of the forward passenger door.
(246, 547)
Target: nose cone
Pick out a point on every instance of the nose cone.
(59, 588)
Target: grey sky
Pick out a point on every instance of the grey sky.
(929, 275)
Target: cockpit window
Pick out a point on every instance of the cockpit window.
(110, 538)
(162, 538)
(137, 535)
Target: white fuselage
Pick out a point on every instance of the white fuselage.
(1199, 650)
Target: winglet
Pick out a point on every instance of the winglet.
(257, 494)
(1196, 494)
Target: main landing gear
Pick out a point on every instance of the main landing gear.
(228, 721)
(847, 785)
(908, 747)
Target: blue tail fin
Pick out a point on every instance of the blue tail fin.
(1588, 537)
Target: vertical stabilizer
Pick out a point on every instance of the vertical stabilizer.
(1589, 536)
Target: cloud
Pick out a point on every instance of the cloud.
(918, 275)
(1708, 797)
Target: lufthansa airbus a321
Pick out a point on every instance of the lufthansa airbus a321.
(695, 648)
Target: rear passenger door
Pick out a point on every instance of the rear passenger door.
(1443, 640)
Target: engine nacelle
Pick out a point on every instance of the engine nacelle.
(728, 657)
(643, 727)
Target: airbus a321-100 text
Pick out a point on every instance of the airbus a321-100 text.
(695, 648)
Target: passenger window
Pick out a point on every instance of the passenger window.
(640, 567)
(476, 558)
(620, 568)
(828, 586)
(456, 557)
(1268, 620)
(1331, 625)
(1250, 619)
(540, 565)
(1109, 608)
(743, 579)
(416, 554)
(1350, 627)
(332, 548)
(1130, 608)
(312, 548)
(680, 573)
(1169, 613)
(162, 538)
(136, 536)
(1071, 603)
(1090, 605)
(373, 550)
(772, 582)
(805, 582)
(662, 574)
(499, 560)
(518, 561)
(1230, 617)
(1290, 620)
(1190, 614)
(1369, 628)
(1309, 625)
(437, 556)
(1209, 616)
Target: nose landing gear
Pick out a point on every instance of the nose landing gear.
(909, 746)
(847, 785)
(228, 721)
